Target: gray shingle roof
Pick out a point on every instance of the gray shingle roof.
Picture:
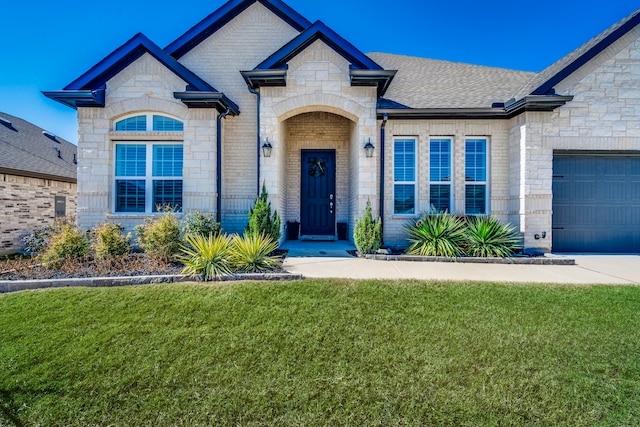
(25, 150)
(431, 83)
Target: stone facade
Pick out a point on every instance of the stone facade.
(27, 204)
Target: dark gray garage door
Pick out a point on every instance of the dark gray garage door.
(596, 203)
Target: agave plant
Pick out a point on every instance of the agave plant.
(439, 234)
(207, 256)
(251, 252)
(487, 237)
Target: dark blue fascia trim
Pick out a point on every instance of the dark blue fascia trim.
(123, 56)
(78, 98)
(226, 13)
(547, 87)
(215, 100)
(319, 31)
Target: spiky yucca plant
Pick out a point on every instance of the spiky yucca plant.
(207, 256)
(487, 237)
(251, 253)
(436, 234)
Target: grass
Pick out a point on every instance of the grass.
(321, 352)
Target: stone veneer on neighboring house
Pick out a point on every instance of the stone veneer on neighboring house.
(256, 71)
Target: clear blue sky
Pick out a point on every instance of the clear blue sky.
(46, 44)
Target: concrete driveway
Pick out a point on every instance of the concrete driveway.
(330, 260)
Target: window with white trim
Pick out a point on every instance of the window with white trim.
(153, 122)
(475, 176)
(404, 176)
(440, 174)
(148, 177)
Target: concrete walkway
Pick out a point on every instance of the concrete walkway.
(331, 260)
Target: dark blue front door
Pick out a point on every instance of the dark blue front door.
(317, 193)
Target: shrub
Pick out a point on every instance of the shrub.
(67, 243)
(197, 222)
(36, 242)
(436, 234)
(485, 236)
(367, 234)
(160, 237)
(208, 256)
(108, 241)
(261, 221)
(251, 253)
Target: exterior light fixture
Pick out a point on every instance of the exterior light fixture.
(266, 149)
(368, 148)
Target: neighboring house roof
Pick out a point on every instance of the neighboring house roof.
(544, 82)
(430, 83)
(93, 81)
(27, 150)
(226, 13)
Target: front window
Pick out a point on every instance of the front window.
(404, 176)
(476, 176)
(153, 122)
(148, 177)
(440, 174)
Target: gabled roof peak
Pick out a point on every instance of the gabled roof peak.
(226, 13)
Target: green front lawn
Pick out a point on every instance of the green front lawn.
(321, 352)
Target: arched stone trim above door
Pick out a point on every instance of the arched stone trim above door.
(318, 102)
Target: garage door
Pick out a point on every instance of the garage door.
(596, 203)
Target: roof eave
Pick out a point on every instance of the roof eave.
(217, 100)
(38, 175)
(261, 78)
(78, 98)
(379, 78)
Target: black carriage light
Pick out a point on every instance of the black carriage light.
(368, 148)
(266, 149)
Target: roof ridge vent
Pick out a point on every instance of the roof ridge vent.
(50, 136)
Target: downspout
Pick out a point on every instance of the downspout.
(385, 117)
(257, 94)
(219, 164)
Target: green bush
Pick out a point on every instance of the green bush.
(367, 234)
(109, 242)
(261, 221)
(251, 253)
(436, 234)
(485, 236)
(160, 237)
(36, 243)
(197, 222)
(207, 256)
(66, 243)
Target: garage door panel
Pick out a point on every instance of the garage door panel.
(596, 203)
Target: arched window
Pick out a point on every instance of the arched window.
(149, 122)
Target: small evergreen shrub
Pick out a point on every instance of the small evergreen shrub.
(250, 253)
(436, 234)
(261, 220)
(206, 256)
(108, 241)
(36, 243)
(197, 222)
(485, 236)
(160, 237)
(367, 234)
(66, 244)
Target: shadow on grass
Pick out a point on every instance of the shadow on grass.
(9, 409)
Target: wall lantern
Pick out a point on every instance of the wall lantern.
(266, 149)
(368, 148)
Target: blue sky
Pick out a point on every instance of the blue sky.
(46, 45)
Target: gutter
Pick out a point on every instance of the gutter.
(257, 94)
(219, 164)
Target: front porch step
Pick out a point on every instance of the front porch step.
(318, 238)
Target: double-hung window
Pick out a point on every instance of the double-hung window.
(148, 175)
(404, 176)
(475, 176)
(440, 174)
